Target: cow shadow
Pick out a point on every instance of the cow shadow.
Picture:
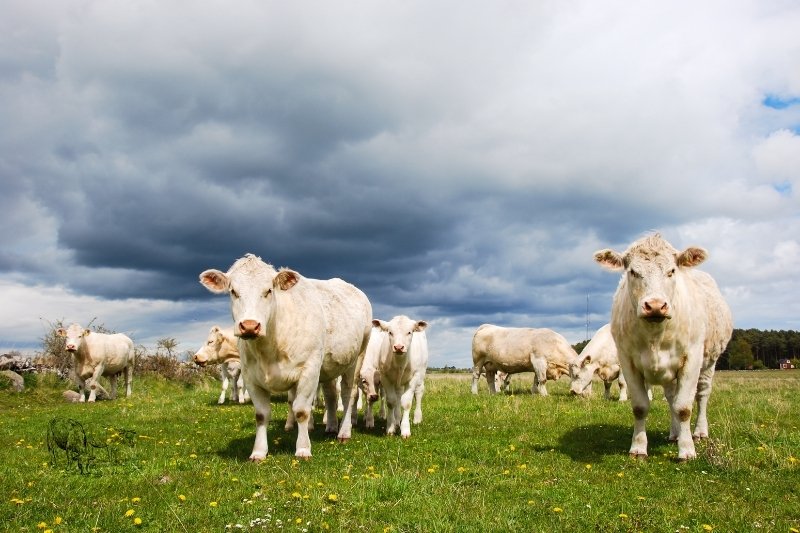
(593, 442)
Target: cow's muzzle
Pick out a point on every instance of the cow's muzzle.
(249, 329)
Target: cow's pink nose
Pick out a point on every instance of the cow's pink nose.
(249, 328)
(399, 348)
(655, 308)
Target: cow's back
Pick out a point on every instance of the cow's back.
(347, 315)
(509, 349)
(115, 349)
(718, 317)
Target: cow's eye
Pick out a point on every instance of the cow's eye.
(634, 274)
(234, 293)
(671, 273)
(267, 292)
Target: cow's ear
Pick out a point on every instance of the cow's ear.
(61, 332)
(420, 325)
(384, 326)
(215, 329)
(609, 259)
(215, 281)
(586, 361)
(691, 257)
(285, 280)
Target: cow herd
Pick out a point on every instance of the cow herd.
(296, 335)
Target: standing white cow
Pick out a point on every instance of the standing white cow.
(294, 333)
(402, 361)
(670, 324)
(98, 354)
(598, 357)
(370, 377)
(511, 350)
(220, 348)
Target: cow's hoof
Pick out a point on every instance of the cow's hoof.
(405, 437)
(303, 453)
(257, 458)
(343, 439)
(638, 456)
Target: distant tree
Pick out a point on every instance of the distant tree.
(740, 355)
(168, 344)
(580, 346)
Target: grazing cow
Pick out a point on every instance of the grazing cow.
(599, 357)
(670, 324)
(220, 348)
(402, 360)
(294, 333)
(511, 350)
(99, 354)
(370, 377)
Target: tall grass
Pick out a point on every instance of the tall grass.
(512, 462)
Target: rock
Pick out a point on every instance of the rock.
(17, 383)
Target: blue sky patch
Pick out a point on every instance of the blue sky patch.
(784, 188)
(777, 102)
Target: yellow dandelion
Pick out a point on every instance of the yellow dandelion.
(511, 447)
(136, 500)
(621, 474)
(333, 497)
(794, 530)
(58, 520)
(531, 502)
(41, 525)
(707, 527)
(192, 456)
(588, 467)
(761, 448)
(431, 470)
(792, 460)
(48, 531)
(523, 466)
(296, 495)
(213, 504)
(641, 498)
(137, 521)
(298, 520)
(506, 471)
(181, 497)
(623, 516)
(461, 469)
(558, 510)
(345, 477)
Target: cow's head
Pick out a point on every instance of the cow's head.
(74, 335)
(652, 267)
(581, 371)
(252, 285)
(209, 352)
(371, 383)
(400, 330)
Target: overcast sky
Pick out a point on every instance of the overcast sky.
(459, 162)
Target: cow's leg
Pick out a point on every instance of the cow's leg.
(623, 388)
(406, 397)
(329, 402)
(391, 401)
(349, 399)
(128, 374)
(674, 425)
(640, 405)
(304, 393)
(113, 379)
(539, 375)
(688, 377)
(607, 392)
(94, 381)
(81, 388)
(290, 397)
(263, 408)
(418, 392)
(243, 394)
(491, 376)
(702, 396)
(223, 374)
(476, 376)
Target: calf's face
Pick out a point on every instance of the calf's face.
(209, 352)
(400, 330)
(581, 371)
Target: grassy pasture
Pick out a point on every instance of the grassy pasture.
(512, 462)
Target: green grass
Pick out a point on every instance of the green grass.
(511, 462)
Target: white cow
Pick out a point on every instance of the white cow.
(511, 350)
(402, 361)
(670, 324)
(220, 348)
(598, 357)
(99, 354)
(294, 333)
